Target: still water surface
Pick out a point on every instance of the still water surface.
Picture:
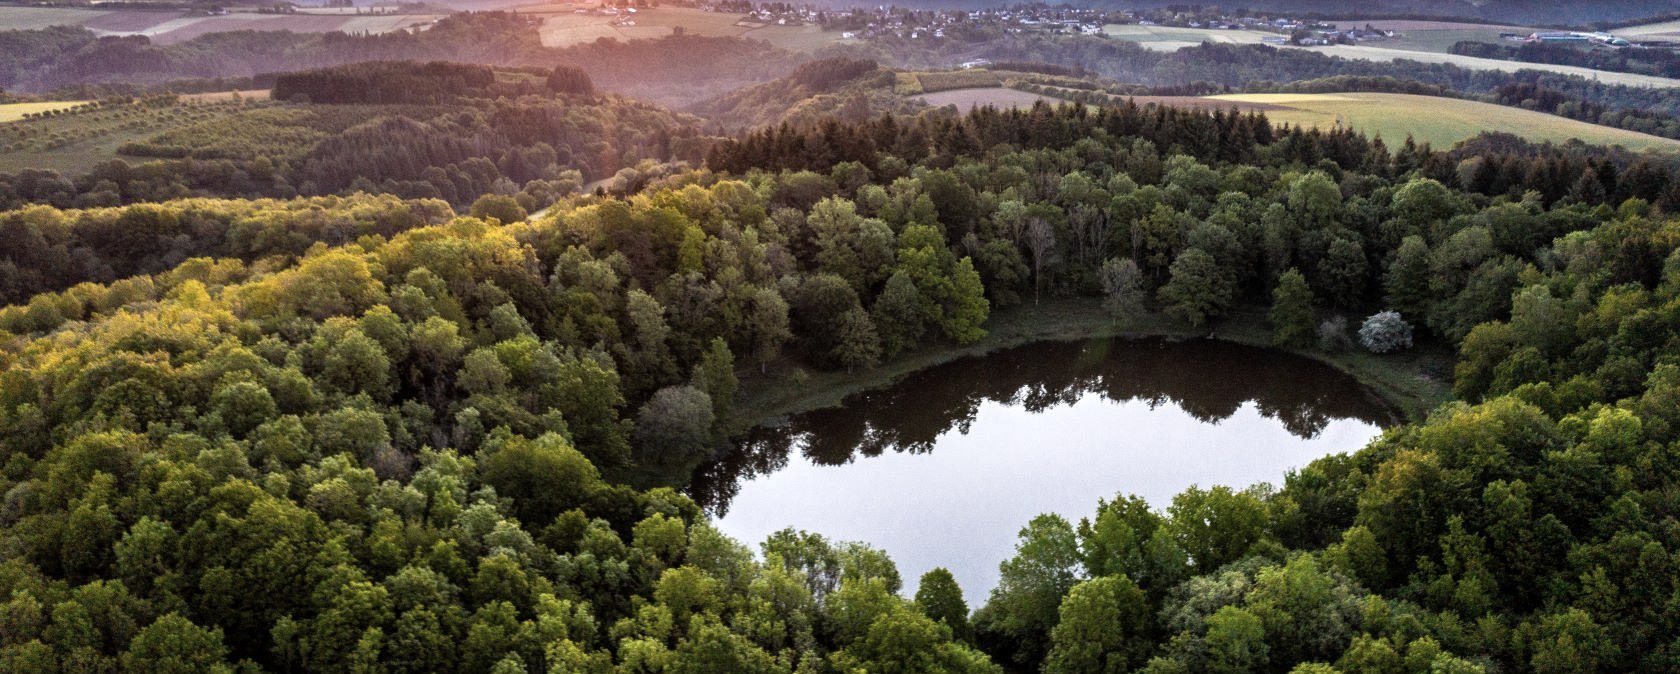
(945, 467)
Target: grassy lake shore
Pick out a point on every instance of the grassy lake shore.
(1413, 382)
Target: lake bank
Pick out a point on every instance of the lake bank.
(1414, 382)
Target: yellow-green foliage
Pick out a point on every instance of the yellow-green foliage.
(957, 79)
(907, 84)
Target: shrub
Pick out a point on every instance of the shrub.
(1332, 333)
(1384, 332)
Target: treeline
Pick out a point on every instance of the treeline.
(460, 155)
(386, 82)
(538, 145)
(50, 250)
(826, 74)
(408, 82)
(1658, 62)
(1563, 104)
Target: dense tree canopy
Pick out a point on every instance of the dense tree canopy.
(424, 443)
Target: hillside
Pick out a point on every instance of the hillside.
(850, 89)
(446, 131)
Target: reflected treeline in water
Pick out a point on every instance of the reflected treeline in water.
(1208, 379)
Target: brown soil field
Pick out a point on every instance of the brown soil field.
(297, 23)
(130, 21)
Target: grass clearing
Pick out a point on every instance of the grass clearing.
(806, 38)
(1171, 38)
(998, 97)
(1665, 30)
(1439, 121)
(223, 96)
(35, 18)
(958, 79)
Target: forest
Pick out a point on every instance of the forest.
(417, 130)
(1659, 62)
(368, 434)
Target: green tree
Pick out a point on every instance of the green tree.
(675, 426)
(767, 322)
(1406, 284)
(715, 375)
(1236, 642)
(501, 208)
(901, 314)
(1292, 318)
(1122, 284)
(1104, 626)
(1341, 272)
(544, 477)
(1028, 596)
(1569, 642)
(1216, 526)
(858, 344)
(941, 599)
(1199, 289)
(174, 645)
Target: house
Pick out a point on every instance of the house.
(1559, 37)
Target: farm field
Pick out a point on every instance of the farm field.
(11, 112)
(999, 97)
(220, 96)
(807, 38)
(1172, 38)
(929, 82)
(1374, 53)
(1441, 122)
(74, 143)
(171, 26)
(1429, 36)
(1666, 31)
(33, 18)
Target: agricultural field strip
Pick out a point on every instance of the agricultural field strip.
(161, 24)
(1000, 97)
(1171, 39)
(11, 112)
(1440, 121)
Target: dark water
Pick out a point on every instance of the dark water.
(943, 468)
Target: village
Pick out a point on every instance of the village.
(888, 21)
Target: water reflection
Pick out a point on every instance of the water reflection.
(1208, 380)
